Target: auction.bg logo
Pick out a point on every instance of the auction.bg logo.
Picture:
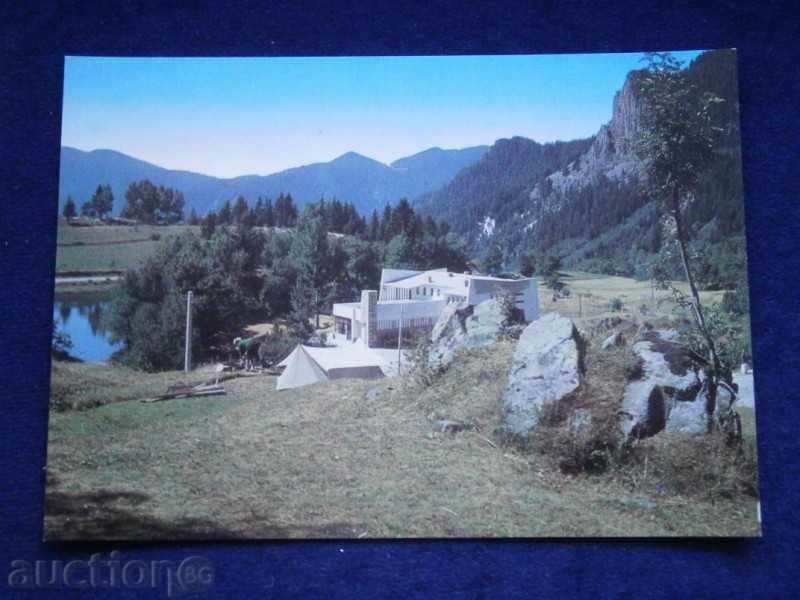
(192, 574)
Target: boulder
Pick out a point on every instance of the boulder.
(546, 366)
(665, 393)
(461, 326)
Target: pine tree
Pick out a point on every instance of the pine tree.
(527, 265)
(69, 209)
(225, 214)
(240, 210)
(493, 263)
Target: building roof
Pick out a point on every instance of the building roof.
(443, 279)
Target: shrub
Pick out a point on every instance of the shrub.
(155, 236)
(276, 346)
(704, 465)
(61, 343)
(513, 316)
(615, 305)
(421, 373)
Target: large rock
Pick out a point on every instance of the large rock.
(665, 394)
(461, 326)
(547, 365)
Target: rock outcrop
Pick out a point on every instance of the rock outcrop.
(546, 366)
(666, 393)
(465, 327)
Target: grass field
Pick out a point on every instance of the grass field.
(591, 293)
(343, 459)
(106, 248)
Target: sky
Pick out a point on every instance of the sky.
(238, 116)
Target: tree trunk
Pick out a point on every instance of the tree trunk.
(714, 371)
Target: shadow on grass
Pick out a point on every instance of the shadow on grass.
(123, 515)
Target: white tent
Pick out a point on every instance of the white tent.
(307, 365)
(300, 370)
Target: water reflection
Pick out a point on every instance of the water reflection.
(82, 317)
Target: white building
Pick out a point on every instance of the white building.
(418, 297)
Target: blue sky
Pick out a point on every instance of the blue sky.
(238, 116)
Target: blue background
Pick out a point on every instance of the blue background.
(35, 36)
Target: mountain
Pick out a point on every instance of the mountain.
(584, 200)
(432, 168)
(365, 182)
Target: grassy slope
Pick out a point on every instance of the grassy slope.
(332, 460)
(107, 247)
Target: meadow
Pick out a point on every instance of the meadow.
(108, 248)
(354, 459)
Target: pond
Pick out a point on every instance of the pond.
(80, 315)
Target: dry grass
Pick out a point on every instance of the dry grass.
(339, 459)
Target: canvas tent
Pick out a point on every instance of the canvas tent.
(300, 369)
(307, 365)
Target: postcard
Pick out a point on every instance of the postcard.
(401, 297)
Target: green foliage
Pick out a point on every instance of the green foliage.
(149, 310)
(604, 224)
(736, 302)
(153, 205)
(527, 264)
(239, 273)
(493, 262)
(729, 326)
(552, 274)
(513, 316)
(100, 204)
(61, 343)
(69, 209)
(276, 346)
(209, 225)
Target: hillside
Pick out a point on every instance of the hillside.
(367, 183)
(341, 459)
(583, 200)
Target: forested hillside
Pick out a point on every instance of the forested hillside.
(584, 200)
(365, 182)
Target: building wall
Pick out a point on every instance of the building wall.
(369, 314)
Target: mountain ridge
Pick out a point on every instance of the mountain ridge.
(351, 177)
(588, 206)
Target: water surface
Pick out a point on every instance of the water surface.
(80, 315)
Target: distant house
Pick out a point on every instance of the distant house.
(418, 298)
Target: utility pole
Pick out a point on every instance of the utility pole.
(187, 362)
(400, 340)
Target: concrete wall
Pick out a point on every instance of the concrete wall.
(389, 311)
(369, 314)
